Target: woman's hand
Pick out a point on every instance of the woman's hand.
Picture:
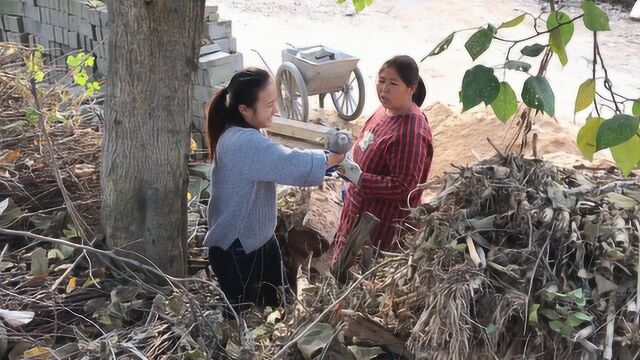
(334, 159)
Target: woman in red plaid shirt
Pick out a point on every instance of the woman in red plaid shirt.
(393, 152)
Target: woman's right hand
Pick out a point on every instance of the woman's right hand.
(334, 159)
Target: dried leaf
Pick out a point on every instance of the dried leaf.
(177, 305)
(37, 353)
(604, 285)
(315, 340)
(6, 265)
(10, 157)
(17, 318)
(621, 201)
(71, 285)
(533, 314)
(91, 281)
(39, 262)
(366, 353)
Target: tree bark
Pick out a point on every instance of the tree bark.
(153, 54)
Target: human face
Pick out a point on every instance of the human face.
(260, 116)
(393, 93)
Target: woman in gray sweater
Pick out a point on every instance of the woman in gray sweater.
(243, 252)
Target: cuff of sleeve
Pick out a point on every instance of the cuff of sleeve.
(318, 168)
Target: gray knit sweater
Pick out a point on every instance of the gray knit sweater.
(243, 186)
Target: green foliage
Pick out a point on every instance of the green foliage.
(627, 154)
(517, 65)
(561, 35)
(478, 43)
(587, 137)
(506, 104)
(513, 23)
(533, 50)
(594, 18)
(586, 95)
(32, 115)
(34, 64)
(358, 5)
(616, 131)
(537, 94)
(78, 66)
(442, 46)
(636, 108)
(479, 84)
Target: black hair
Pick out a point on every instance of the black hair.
(223, 111)
(409, 73)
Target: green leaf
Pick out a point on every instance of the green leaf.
(442, 46)
(492, 29)
(491, 328)
(533, 50)
(32, 115)
(627, 154)
(55, 254)
(81, 77)
(62, 251)
(578, 318)
(636, 108)
(594, 18)
(92, 87)
(587, 137)
(560, 37)
(537, 94)
(39, 76)
(359, 5)
(479, 84)
(556, 325)
(89, 61)
(533, 314)
(517, 65)
(616, 131)
(586, 95)
(513, 23)
(506, 104)
(550, 314)
(73, 61)
(478, 43)
(578, 296)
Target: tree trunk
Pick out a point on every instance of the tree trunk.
(153, 53)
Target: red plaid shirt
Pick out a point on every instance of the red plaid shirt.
(394, 153)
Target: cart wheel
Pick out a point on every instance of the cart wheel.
(292, 93)
(349, 101)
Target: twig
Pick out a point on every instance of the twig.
(496, 148)
(637, 319)
(280, 354)
(75, 217)
(4, 251)
(170, 279)
(533, 276)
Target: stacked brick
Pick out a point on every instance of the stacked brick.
(218, 61)
(59, 26)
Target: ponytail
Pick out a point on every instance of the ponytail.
(223, 111)
(420, 94)
(217, 120)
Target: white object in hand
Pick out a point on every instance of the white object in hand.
(350, 170)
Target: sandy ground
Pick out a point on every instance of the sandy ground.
(414, 27)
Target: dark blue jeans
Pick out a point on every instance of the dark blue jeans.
(256, 277)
